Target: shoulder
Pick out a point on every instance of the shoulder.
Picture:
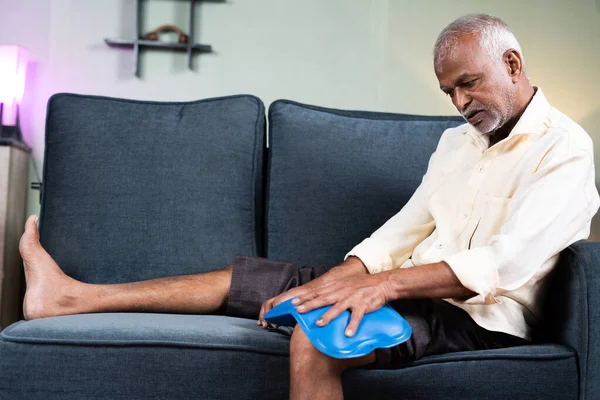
(453, 138)
(564, 133)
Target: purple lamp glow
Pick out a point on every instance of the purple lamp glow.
(13, 66)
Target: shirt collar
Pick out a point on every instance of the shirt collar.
(533, 120)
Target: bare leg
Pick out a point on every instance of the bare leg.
(313, 375)
(51, 293)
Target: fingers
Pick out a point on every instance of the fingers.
(266, 306)
(359, 303)
(321, 298)
(357, 313)
(308, 299)
(319, 302)
(336, 310)
(284, 296)
(356, 317)
(269, 304)
(303, 298)
(310, 294)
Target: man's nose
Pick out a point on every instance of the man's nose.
(461, 100)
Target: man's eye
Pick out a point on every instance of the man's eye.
(470, 83)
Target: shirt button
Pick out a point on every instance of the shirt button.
(481, 169)
(465, 215)
(440, 246)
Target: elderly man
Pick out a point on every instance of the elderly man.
(464, 261)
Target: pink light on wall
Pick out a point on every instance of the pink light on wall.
(13, 66)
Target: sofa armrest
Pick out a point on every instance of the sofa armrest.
(572, 311)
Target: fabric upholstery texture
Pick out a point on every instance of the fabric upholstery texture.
(137, 190)
(335, 176)
(573, 311)
(148, 329)
(142, 356)
(543, 372)
(159, 356)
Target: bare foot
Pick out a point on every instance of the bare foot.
(49, 291)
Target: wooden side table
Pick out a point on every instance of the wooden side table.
(14, 163)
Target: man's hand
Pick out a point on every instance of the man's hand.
(350, 267)
(352, 288)
(359, 294)
(273, 301)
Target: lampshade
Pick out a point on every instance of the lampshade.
(13, 65)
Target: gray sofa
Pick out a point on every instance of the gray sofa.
(136, 190)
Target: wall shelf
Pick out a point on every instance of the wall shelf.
(124, 43)
(141, 42)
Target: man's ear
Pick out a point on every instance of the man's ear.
(514, 64)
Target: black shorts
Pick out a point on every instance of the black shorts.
(438, 326)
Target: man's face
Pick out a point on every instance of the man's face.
(481, 89)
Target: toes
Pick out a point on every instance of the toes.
(31, 228)
(31, 222)
(31, 234)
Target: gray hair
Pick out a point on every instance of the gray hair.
(494, 37)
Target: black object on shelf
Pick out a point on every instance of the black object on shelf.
(190, 47)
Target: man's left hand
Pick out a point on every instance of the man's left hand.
(359, 294)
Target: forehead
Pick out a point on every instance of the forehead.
(465, 58)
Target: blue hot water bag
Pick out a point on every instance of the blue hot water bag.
(379, 329)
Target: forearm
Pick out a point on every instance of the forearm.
(364, 293)
(428, 281)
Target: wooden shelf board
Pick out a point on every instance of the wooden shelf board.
(157, 44)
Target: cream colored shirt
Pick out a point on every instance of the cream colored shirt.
(499, 215)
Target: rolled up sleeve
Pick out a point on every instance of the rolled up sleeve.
(547, 212)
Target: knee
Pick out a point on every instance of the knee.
(303, 354)
(226, 274)
(300, 343)
(305, 358)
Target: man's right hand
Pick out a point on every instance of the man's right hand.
(351, 266)
(272, 302)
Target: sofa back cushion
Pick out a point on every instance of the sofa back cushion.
(336, 176)
(136, 190)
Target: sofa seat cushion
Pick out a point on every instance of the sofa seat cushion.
(142, 356)
(162, 356)
(524, 372)
(139, 329)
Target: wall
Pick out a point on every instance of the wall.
(359, 54)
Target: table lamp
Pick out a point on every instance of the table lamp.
(13, 65)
